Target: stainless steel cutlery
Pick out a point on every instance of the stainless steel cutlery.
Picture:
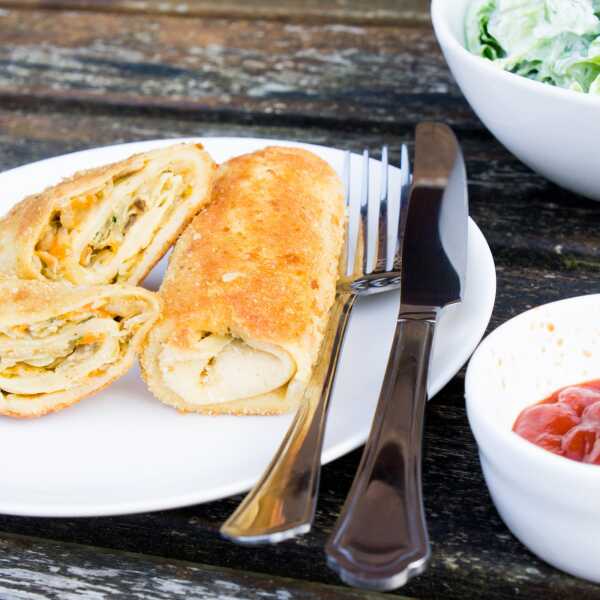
(380, 539)
(282, 504)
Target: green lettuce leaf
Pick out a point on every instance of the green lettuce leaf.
(479, 39)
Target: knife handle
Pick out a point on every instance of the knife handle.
(380, 540)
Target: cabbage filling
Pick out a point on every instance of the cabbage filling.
(220, 369)
(100, 237)
(60, 353)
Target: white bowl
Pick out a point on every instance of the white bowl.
(554, 131)
(551, 503)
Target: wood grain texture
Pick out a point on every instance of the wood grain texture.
(382, 12)
(474, 554)
(33, 569)
(322, 73)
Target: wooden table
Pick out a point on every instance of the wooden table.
(76, 74)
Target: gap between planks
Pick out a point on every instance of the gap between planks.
(416, 108)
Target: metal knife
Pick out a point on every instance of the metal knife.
(380, 540)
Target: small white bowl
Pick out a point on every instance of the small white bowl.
(551, 503)
(554, 131)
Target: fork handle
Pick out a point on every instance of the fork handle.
(282, 504)
(380, 540)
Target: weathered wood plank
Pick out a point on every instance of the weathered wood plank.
(320, 72)
(381, 12)
(32, 568)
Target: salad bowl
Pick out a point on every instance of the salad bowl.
(554, 131)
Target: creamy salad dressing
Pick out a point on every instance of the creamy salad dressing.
(552, 41)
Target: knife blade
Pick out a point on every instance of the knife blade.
(434, 249)
(380, 540)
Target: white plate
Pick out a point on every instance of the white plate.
(122, 451)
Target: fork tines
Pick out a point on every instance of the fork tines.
(374, 227)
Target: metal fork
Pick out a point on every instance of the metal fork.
(282, 504)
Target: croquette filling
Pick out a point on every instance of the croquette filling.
(57, 354)
(101, 236)
(219, 369)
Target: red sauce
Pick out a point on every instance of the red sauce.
(566, 423)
